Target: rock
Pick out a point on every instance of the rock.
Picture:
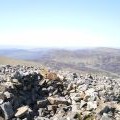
(117, 116)
(21, 111)
(91, 105)
(70, 87)
(55, 92)
(48, 95)
(8, 79)
(9, 85)
(88, 116)
(42, 103)
(56, 101)
(89, 92)
(75, 107)
(90, 76)
(105, 117)
(7, 110)
(41, 118)
(7, 94)
(1, 118)
(58, 117)
(41, 112)
(83, 87)
(1, 101)
(2, 88)
(82, 95)
(73, 95)
(83, 103)
(42, 82)
(52, 108)
(75, 75)
(73, 116)
(77, 99)
(17, 75)
(60, 76)
(105, 110)
(2, 96)
(15, 81)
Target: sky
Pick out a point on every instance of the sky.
(60, 23)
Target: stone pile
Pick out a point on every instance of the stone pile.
(29, 93)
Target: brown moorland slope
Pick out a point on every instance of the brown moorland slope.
(11, 61)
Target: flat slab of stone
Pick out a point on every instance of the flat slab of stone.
(21, 111)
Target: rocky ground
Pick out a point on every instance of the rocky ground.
(29, 93)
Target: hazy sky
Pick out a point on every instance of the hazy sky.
(60, 23)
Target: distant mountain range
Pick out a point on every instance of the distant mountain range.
(22, 53)
(95, 60)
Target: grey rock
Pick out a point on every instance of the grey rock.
(17, 75)
(105, 110)
(7, 110)
(60, 100)
(24, 85)
(42, 103)
(105, 117)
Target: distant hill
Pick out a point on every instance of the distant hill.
(24, 54)
(97, 60)
(91, 60)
